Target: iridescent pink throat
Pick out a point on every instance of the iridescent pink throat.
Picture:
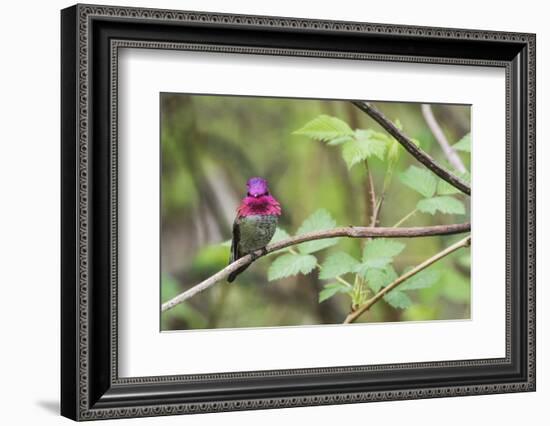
(264, 205)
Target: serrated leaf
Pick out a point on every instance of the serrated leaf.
(464, 144)
(382, 248)
(325, 128)
(352, 154)
(338, 263)
(374, 142)
(421, 180)
(332, 289)
(378, 254)
(366, 144)
(378, 263)
(421, 280)
(340, 140)
(378, 278)
(398, 299)
(288, 265)
(318, 221)
(445, 188)
(443, 204)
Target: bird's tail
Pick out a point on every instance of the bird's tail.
(234, 274)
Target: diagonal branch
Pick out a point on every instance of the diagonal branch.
(348, 231)
(409, 145)
(437, 131)
(368, 304)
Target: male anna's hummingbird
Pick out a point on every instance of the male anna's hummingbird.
(255, 223)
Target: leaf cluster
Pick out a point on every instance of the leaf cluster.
(369, 274)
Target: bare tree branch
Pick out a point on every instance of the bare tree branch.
(367, 305)
(409, 145)
(349, 232)
(437, 131)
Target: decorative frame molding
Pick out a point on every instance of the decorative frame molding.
(91, 37)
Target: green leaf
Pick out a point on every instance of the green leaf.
(378, 254)
(318, 221)
(464, 144)
(340, 140)
(378, 263)
(444, 204)
(366, 144)
(374, 142)
(378, 278)
(325, 128)
(288, 265)
(331, 289)
(352, 153)
(338, 263)
(423, 279)
(445, 188)
(382, 248)
(398, 299)
(421, 180)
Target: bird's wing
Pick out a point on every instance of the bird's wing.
(235, 241)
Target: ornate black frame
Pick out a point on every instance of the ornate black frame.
(91, 37)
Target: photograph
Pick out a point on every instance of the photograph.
(333, 221)
(269, 210)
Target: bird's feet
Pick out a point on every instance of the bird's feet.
(255, 255)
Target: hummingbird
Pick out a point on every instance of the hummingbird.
(256, 222)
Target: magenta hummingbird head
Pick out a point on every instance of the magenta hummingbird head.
(258, 200)
(257, 187)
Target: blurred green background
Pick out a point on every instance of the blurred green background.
(212, 144)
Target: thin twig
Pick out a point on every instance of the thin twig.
(369, 303)
(409, 145)
(437, 131)
(349, 232)
(405, 218)
(378, 207)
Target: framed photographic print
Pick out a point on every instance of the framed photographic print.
(263, 212)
